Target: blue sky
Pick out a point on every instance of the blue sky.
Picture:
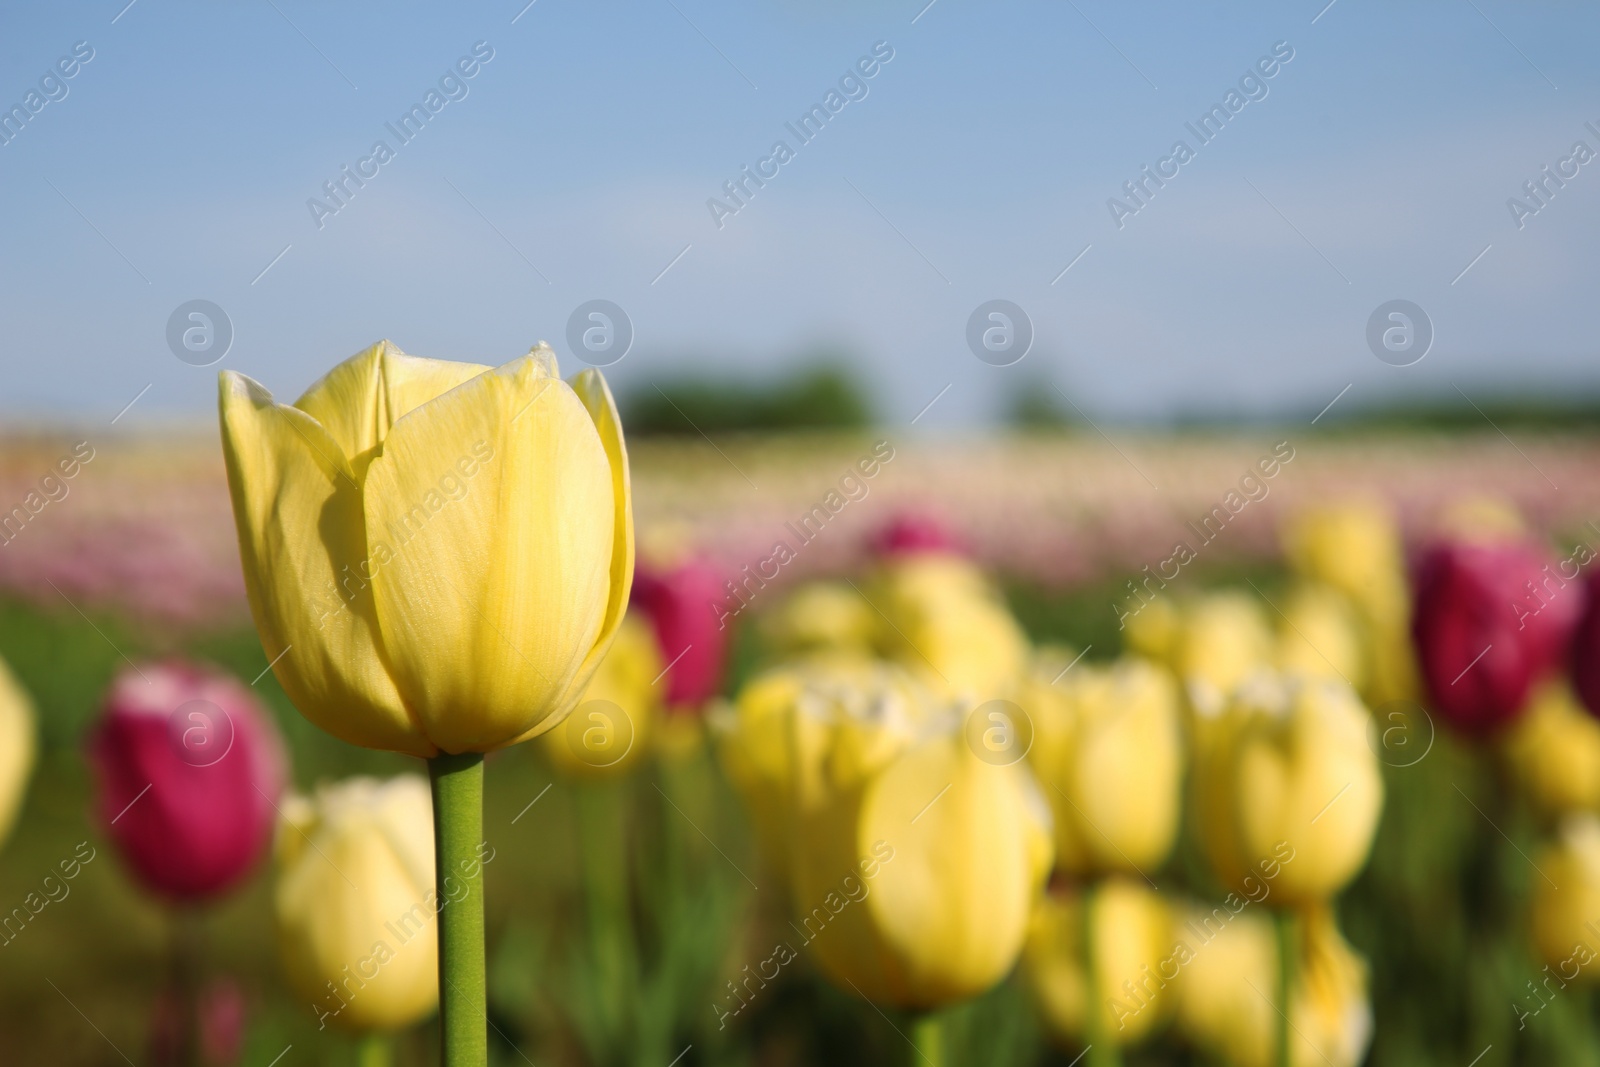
(978, 165)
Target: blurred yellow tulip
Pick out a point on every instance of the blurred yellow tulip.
(616, 721)
(911, 862)
(1320, 635)
(1228, 989)
(1553, 750)
(437, 554)
(1355, 547)
(1565, 909)
(356, 904)
(963, 851)
(1286, 773)
(1107, 748)
(821, 615)
(1213, 642)
(1134, 961)
(945, 620)
(801, 731)
(17, 747)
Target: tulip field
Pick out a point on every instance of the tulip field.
(1248, 749)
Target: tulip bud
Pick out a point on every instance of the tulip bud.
(1134, 962)
(909, 533)
(801, 731)
(356, 902)
(1230, 969)
(1585, 652)
(1566, 900)
(188, 767)
(948, 623)
(952, 853)
(1491, 620)
(1553, 751)
(912, 862)
(822, 615)
(1108, 753)
(437, 554)
(1287, 791)
(1353, 547)
(17, 748)
(682, 604)
(1320, 635)
(611, 728)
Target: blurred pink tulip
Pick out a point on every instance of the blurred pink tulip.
(1586, 647)
(684, 605)
(911, 532)
(1489, 623)
(188, 767)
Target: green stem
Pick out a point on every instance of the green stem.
(376, 1050)
(188, 953)
(457, 832)
(1100, 1050)
(928, 1037)
(1287, 950)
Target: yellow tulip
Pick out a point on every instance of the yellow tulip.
(912, 863)
(952, 852)
(614, 723)
(356, 903)
(801, 731)
(1553, 750)
(437, 554)
(1320, 635)
(1213, 642)
(1228, 988)
(1354, 547)
(1132, 934)
(1107, 748)
(822, 615)
(1565, 909)
(1287, 789)
(946, 621)
(17, 747)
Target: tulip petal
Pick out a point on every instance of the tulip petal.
(491, 516)
(954, 900)
(591, 388)
(360, 399)
(302, 537)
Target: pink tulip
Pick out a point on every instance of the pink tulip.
(1586, 647)
(1490, 621)
(912, 532)
(189, 768)
(684, 605)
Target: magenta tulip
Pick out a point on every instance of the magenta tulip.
(189, 767)
(910, 532)
(1491, 620)
(1586, 647)
(684, 605)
